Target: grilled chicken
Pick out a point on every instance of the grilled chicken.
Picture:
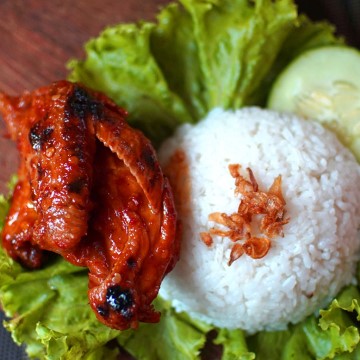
(90, 189)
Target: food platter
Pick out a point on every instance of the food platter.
(62, 31)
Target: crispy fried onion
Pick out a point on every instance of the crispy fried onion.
(238, 226)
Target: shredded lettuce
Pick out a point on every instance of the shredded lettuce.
(198, 55)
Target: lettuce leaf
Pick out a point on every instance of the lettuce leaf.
(49, 311)
(176, 337)
(334, 334)
(229, 46)
(199, 54)
(48, 308)
(68, 329)
(306, 35)
(120, 64)
(234, 345)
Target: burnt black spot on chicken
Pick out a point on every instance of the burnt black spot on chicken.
(80, 104)
(35, 137)
(78, 152)
(38, 136)
(120, 300)
(103, 310)
(80, 107)
(148, 161)
(148, 157)
(131, 263)
(76, 186)
(30, 255)
(40, 170)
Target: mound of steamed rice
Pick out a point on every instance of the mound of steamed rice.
(303, 270)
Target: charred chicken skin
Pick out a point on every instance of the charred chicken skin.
(90, 188)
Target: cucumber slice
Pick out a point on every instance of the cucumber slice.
(324, 85)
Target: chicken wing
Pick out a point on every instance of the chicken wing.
(98, 198)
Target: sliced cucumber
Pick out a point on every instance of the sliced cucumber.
(324, 85)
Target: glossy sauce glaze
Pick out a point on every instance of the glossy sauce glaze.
(90, 188)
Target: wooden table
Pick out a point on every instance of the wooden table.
(37, 39)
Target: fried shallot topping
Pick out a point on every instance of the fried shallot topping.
(238, 226)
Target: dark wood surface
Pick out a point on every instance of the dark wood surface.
(38, 37)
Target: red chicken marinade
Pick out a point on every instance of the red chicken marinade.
(90, 188)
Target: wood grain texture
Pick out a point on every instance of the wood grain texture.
(38, 37)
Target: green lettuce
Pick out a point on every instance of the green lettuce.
(49, 312)
(334, 334)
(199, 54)
(176, 337)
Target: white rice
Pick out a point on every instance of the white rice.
(305, 269)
